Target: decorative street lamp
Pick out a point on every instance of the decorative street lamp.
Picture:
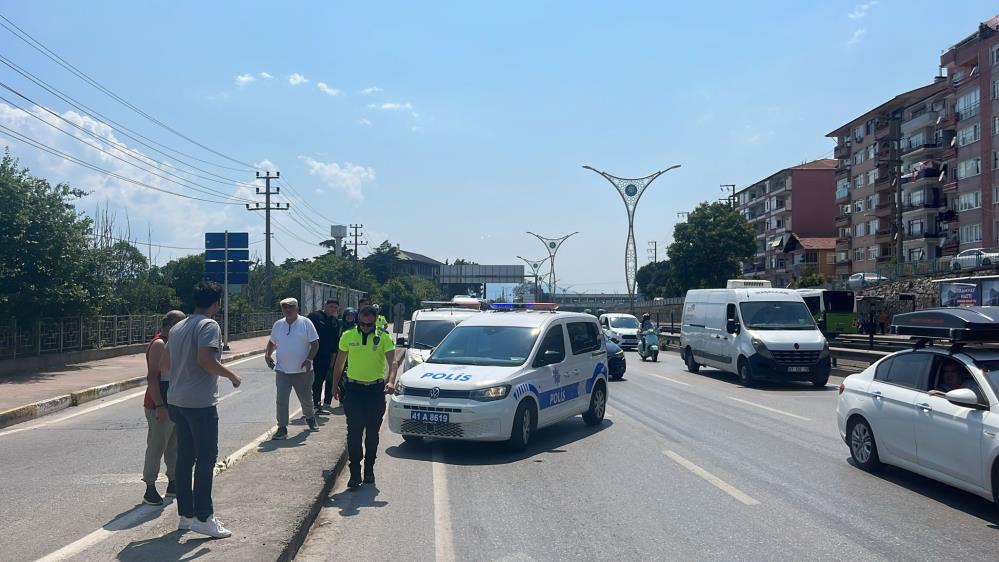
(552, 245)
(535, 266)
(631, 191)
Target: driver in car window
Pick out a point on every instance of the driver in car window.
(951, 377)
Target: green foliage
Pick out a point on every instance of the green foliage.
(382, 261)
(707, 249)
(408, 290)
(47, 267)
(182, 274)
(656, 280)
(810, 278)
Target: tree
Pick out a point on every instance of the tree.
(409, 290)
(383, 261)
(707, 249)
(47, 267)
(181, 275)
(809, 278)
(656, 280)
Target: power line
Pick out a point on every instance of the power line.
(306, 204)
(197, 187)
(40, 47)
(75, 160)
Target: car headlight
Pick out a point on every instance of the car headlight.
(825, 350)
(491, 393)
(619, 353)
(761, 349)
(400, 389)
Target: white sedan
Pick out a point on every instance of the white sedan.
(930, 411)
(970, 259)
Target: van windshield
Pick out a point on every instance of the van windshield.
(623, 322)
(495, 346)
(428, 333)
(776, 315)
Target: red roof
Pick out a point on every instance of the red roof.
(817, 243)
(822, 164)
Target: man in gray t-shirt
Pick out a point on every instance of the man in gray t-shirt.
(192, 358)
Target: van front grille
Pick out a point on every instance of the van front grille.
(796, 357)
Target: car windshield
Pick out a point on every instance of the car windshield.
(776, 315)
(427, 334)
(991, 369)
(498, 346)
(623, 322)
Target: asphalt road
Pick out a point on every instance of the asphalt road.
(66, 475)
(685, 467)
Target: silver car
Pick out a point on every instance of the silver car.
(970, 259)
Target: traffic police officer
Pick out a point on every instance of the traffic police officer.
(369, 351)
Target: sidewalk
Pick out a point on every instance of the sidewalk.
(29, 395)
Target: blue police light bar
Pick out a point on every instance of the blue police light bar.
(524, 306)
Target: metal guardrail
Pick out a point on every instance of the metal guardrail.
(60, 335)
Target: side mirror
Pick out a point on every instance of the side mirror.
(962, 397)
(732, 326)
(401, 342)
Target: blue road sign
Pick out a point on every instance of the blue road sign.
(216, 240)
(234, 267)
(234, 255)
(234, 278)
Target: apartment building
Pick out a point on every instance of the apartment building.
(867, 177)
(971, 157)
(798, 200)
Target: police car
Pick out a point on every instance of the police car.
(501, 375)
(933, 410)
(430, 324)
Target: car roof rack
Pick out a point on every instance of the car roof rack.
(437, 305)
(524, 306)
(959, 325)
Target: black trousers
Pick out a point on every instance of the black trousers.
(197, 449)
(322, 366)
(364, 407)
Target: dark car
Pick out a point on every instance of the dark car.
(616, 363)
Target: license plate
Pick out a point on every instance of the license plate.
(429, 417)
(798, 369)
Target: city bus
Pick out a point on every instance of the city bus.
(835, 311)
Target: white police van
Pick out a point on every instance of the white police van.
(501, 375)
(430, 325)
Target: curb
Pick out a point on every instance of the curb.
(41, 408)
(301, 533)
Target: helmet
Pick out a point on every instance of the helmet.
(646, 316)
(376, 306)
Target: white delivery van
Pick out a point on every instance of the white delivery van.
(758, 333)
(624, 327)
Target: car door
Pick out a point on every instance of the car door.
(892, 407)
(550, 363)
(949, 436)
(587, 353)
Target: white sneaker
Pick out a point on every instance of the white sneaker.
(212, 527)
(184, 524)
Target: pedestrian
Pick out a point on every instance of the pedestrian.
(348, 321)
(296, 341)
(161, 436)
(194, 350)
(369, 351)
(380, 323)
(883, 319)
(327, 323)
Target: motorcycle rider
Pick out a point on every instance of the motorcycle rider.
(646, 326)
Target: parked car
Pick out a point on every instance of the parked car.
(970, 259)
(616, 362)
(859, 280)
(931, 410)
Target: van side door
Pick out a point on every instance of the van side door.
(550, 363)
(588, 359)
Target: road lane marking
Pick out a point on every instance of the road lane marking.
(443, 538)
(673, 380)
(712, 479)
(769, 409)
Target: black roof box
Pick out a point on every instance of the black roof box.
(971, 323)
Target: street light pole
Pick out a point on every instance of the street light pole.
(552, 245)
(535, 266)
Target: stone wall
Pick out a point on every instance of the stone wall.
(927, 292)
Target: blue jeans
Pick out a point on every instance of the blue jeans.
(197, 449)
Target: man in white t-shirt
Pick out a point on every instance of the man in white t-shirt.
(297, 342)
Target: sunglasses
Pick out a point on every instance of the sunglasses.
(366, 324)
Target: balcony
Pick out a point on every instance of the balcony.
(842, 220)
(922, 235)
(883, 209)
(922, 205)
(841, 151)
(844, 239)
(887, 129)
(842, 195)
(916, 150)
(883, 259)
(924, 119)
(951, 245)
(968, 112)
(919, 177)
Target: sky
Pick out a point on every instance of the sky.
(450, 128)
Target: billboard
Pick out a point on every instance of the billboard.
(315, 293)
(959, 294)
(990, 292)
(476, 274)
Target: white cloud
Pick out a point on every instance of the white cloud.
(347, 178)
(856, 37)
(860, 11)
(244, 79)
(327, 90)
(363, 121)
(417, 129)
(371, 90)
(395, 106)
(264, 75)
(296, 79)
(266, 165)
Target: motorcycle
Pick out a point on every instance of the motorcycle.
(648, 346)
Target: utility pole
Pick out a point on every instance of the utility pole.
(653, 251)
(895, 181)
(267, 208)
(730, 198)
(357, 236)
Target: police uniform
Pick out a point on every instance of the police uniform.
(381, 323)
(364, 395)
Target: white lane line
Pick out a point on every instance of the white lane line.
(230, 395)
(443, 538)
(769, 409)
(674, 381)
(712, 479)
(103, 405)
(126, 521)
(232, 459)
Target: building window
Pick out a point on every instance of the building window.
(859, 254)
(872, 252)
(859, 229)
(872, 150)
(970, 233)
(970, 200)
(916, 227)
(969, 135)
(858, 133)
(917, 254)
(858, 182)
(995, 89)
(872, 200)
(994, 54)
(995, 159)
(858, 158)
(968, 168)
(968, 105)
(872, 227)
(871, 176)
(995, 124)
(858, 206)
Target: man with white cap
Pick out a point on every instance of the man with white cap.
(297, 342)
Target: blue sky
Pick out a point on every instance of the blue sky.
(452, 128)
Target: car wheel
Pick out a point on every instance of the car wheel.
(688, 358)
(598, 405)
(863, 447)
(986, 262)
(524, 423)
(745, 374)
(820, 381)
(414, 439)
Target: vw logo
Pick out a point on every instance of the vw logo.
(435, 393)
(796, 346)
